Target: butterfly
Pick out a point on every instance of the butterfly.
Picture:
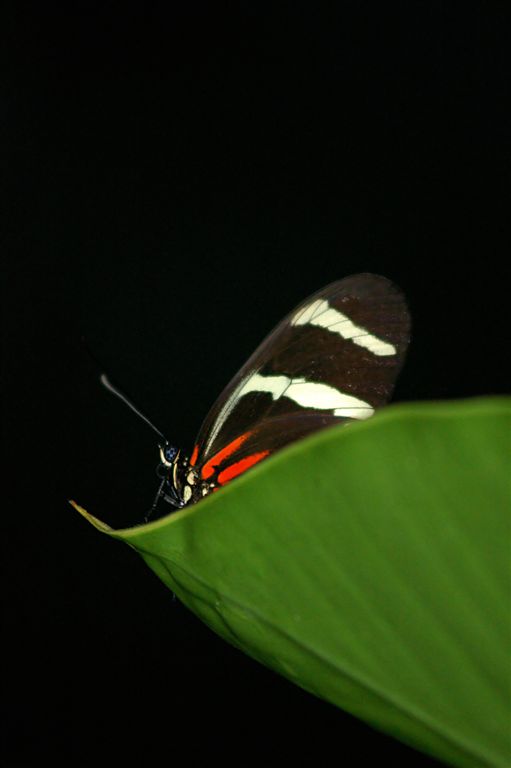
(333, 360)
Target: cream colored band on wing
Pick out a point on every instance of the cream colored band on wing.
(308, 394)
(321, 314)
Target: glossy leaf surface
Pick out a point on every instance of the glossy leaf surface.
(370, 565)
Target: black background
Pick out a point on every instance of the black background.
(176, 180)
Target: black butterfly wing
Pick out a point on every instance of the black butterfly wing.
(334, 357)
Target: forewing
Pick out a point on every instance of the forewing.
(334, 357)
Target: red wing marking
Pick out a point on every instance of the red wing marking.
(240, 466)
(194, 455)
(215, 461)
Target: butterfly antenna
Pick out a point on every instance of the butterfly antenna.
(105, 381)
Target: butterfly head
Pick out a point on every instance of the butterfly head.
(180, 482)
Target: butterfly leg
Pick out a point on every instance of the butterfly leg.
(159, 493)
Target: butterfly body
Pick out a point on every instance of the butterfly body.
(333, 360)
(181, 483)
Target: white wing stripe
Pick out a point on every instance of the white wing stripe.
(306, 314)
(308, 394)
(320, 313)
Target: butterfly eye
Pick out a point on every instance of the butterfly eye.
(169, 453)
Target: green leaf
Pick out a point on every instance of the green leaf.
(370, 565)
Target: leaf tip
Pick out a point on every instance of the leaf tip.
(92, 520)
